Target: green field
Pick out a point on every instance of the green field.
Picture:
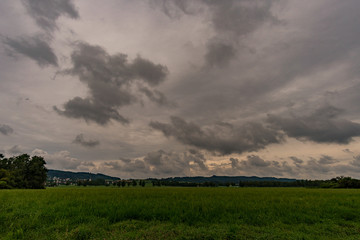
(180, 213)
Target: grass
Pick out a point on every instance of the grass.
(180, 213)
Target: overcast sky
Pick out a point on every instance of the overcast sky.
(159, 88)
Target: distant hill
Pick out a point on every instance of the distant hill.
(225, 179)
(78, 175)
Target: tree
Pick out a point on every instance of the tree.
(23, 172)
(4, 179)
(36, 173)
(134, 183)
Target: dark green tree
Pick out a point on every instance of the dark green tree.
(134, 183)
(23, 172)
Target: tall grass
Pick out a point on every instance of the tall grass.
(180, 213)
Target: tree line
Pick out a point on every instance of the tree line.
(337, 182)
(22, 171)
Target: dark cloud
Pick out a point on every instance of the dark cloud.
(112, 82)
(6, 129)
(297, 161)
(324, 125)
(90, 143)
(257, 161)
(240, 17)
(256, 165)
(89, 110)
(325, 159)
(176, 9)
(157, 97)
(166, 163)
(161, 163)
(219, 54)
(249, 137)
(132, 166)
(346, 150)
(356, 161)
(15, 150)
(36, 48)
(45, 12)
(230, 19)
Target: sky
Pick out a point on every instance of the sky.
(164, 88)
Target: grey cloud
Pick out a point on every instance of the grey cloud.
(175, 9)
(136, 165)
(157, 97)
(232, 16)
(198, 159)
(219, 54)
(314, 166)
(6, 129)
(297, 161)
(161, 163)
(151, 73)
(240, 17)
(45, 12)
(80, 139)
(164, 163)
(325, 159)
(257, 161)
(230, 19)
(324, 125)
(125, 160)
(356, 161)
(326, 167)
(15, 150)
(346, 150)
(112, 83)
(249, 137)
(285, 60)
(258, 166)
(89, 110)
(63, 161)
(36, 48)
(235, 163)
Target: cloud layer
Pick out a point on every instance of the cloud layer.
(253, 87)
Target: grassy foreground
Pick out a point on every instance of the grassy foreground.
(180, 213)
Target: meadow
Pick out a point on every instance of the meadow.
(180, 213)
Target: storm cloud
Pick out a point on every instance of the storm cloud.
(35, 47)
(81, 140)
(6, 129)
(249, 137)
(325, 125)
(112, 82)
